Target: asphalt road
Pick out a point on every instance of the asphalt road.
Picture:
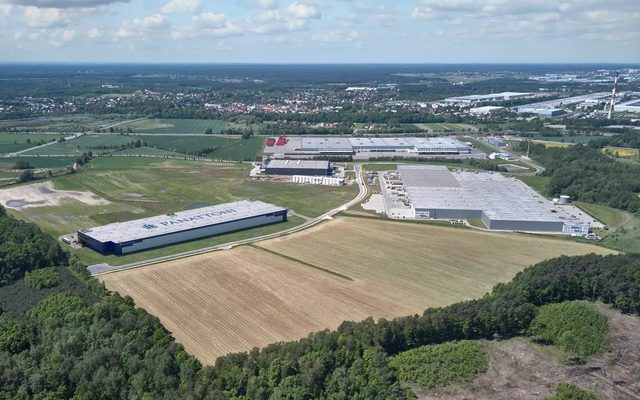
(99, 269)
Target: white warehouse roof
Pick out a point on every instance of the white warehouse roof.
(500, 198)
(180, 221)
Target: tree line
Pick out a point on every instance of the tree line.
(587, 175)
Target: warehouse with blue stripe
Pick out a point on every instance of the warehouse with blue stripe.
(162, 230)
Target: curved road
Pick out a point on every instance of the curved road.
(99, 269)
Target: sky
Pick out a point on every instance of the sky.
(320, 31)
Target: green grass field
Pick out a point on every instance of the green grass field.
(446, 127)
(12, 142)
(583, 139)
(98, 144)
(480, 145)
(537, 182)
(148, 151)
(226, 148)
(37, 162)
(179, 126)
(624, 227)
(138, 187)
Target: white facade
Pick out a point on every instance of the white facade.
(318, 180)
(213, 230)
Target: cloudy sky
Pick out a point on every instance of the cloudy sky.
(429, 31)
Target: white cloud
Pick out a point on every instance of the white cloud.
(264, 4)
(63, 3)
(181, 7)
(61, 37)
(5, 9)
(549, 19)
(209, 20)
(95, 33)
(209, 24)
(143, 27)
(303, 11)
(44, 17)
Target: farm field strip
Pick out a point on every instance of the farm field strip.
(234, 300)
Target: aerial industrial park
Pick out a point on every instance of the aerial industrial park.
(242, 211)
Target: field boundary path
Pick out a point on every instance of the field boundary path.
(100, 269)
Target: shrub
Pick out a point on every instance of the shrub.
(42, 278)
(575, 326)
(56, 307)
(442, 364)
(566, 391)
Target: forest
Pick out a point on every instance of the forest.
(629, 139)
(76, 341)
(587, 175)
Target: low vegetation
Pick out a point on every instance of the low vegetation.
(567, 391)
(576, 327)
(440, 365)
(42, 278)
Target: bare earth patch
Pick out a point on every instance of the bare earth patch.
(43, 194)
(519, 370)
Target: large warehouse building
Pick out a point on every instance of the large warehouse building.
(131, 236)
(501, 203)
(312, 146)
(486, 98)
(298, 167)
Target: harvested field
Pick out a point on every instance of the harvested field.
(234, 300)
(43, 194)
(420, 264)
(345, 269)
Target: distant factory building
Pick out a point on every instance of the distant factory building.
(162, 230)
(485, 98)
(298, 167)
(629, 106)
(485, 110)
(501, 203)
(544, 112)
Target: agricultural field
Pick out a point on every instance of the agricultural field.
(98, 144)
(445, 127)
(621, 152)
(69, 123)
(12, 142)
(344, 269)
(148, 151)
(567, 139)
(180, 126)
(137, 187)
(551, 144)
(227, 148)
(37, 162)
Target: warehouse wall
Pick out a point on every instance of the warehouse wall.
(528, 226)
(456, 214)
(203, 232)
(297, 171)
